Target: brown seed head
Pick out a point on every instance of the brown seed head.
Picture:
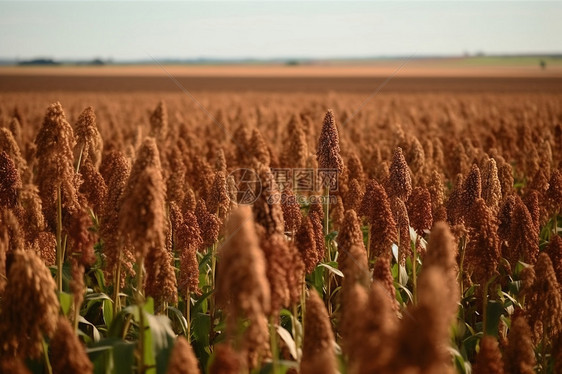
(142, 213)
(226, 361)
(220, 162)
(489, 358)
(159, 122)
(427, 349)
(93, 187)
(209, 224)
(315, 214)
(30, 306)
(328, 153)
(9, 145)
(10, 229)
(504, 217)
(175, 184)
(318, 346)
(376, 207)
(182, 360)
(482, 251)
(491, 186)
(242, 286)
(435, 188)
(403, 226)
(554, 251)
(554, 192)
(355, 195)
(306, 244)
(55, 143)
(399, 181)
(291, 210)
(67, 352)
(523, 238)
(13, 365)
(267, 208)
(519, 356)
(376, 335)
(337, 213)
(187, 242)
(10, 182)
(259, 148)
(219, 201)
(354, 302)
(382, 272)
(277, 256)
(471, 190)
(89, 143)
(442, 253)
(349, 236)
(419, 210)
(544, 305)
(118, 171)
(355, 168)
(296, 150)
(161, 281)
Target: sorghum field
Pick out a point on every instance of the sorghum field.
(281, 232)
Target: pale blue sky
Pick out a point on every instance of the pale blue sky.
(132, 30)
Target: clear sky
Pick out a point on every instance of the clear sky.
(235, 29)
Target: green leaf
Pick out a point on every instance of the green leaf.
(403, 276)
(149, 305)
(331, 236)
(332, 267)
(201, 328)
(407, 291)
(95, 331)
(177, 314)
(108, 312)
(65, 300)
(289, 341)
(116, 330)
(494, 310)
(162, 340)
(96, 296)
(125, 353)
(198, 306)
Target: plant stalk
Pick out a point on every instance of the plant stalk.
(274, 348)
(60, 254)
(188, 314)
(296, 332)
(117, 287)
(46, 360)
(140, 304)
(414, 271)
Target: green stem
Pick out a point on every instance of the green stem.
(188, 314)
(140, 304)
(369, 245)
(303, 306)
(461, 280)
(80, 158)
(212, 296)
(296, 332)
(274, 349)
(117, 287)
(414, 272)
(484, 306)
(60, 255)
(327, 213)
(46, 361)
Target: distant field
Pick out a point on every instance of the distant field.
(417, 68)
(423, 75)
